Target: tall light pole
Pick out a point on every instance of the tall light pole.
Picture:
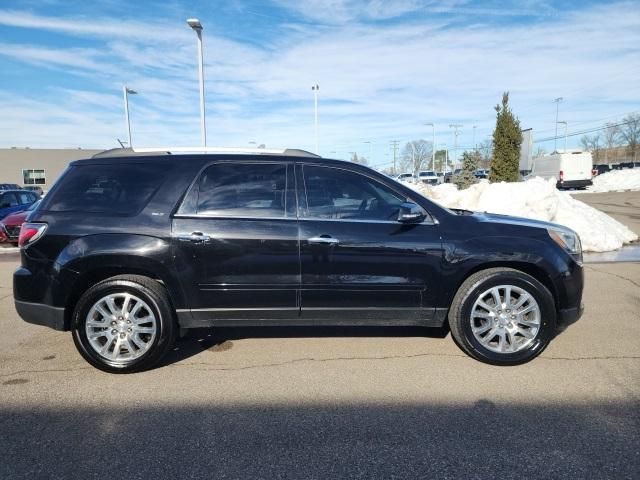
(455, 127)
(125, 93)
(433, 146)
(370, 152)
(475, 147)
(565, 133)
(315, 89)
(555, 137)
(197, 27)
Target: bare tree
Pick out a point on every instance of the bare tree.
(610, 138)
(631, 133)
(486, 151)
(416, 156)
(591, 143)
(356, 159)
(540, 151)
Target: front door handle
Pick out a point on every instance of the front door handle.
(324, 240)
(194, 237)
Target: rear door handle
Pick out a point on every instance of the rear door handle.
(324, 240)
(194, 237)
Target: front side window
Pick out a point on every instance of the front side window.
(243, 190)
(338, 194)
(33, 177)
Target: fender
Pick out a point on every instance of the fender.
(92, 258)
(531, 255)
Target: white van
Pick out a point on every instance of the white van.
(571, 169)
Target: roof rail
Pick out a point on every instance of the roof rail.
(117, 152)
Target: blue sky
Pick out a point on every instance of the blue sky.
(384, 69)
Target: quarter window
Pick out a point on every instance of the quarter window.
(342, 195)
(243, 190)
(33, 177)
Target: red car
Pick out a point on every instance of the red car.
(10, 225)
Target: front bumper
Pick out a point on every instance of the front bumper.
(568, 316)
(41, 314)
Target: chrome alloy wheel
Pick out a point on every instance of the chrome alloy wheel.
(505, 319)
(120, 327)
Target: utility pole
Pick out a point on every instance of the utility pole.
(455, 127)
(370, 152)
(555, 137)
(394, 145)
(315, 89)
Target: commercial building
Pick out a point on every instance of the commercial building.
(37, 166)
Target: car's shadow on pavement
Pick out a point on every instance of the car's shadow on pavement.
(218, 339)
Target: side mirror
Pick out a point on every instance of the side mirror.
(410, 213)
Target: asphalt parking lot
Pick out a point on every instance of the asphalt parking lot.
(330, 403)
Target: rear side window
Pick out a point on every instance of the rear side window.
(243, 190)
(121, 189)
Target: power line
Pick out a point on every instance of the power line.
(583, 132)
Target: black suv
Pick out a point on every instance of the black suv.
(127, 252)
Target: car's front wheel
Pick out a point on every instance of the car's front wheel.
(124, 324)
(502, 316)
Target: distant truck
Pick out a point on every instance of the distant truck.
(571, 169)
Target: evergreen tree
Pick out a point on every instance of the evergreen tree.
(467, 176)
(507, 138)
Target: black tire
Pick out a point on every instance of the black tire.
(154, 295)
(468, 293)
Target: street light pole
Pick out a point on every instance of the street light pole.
(125, 92)
(565, 134)
(315, 89)
(195, 24)
(555, 137)
(370, 152)
(475, 147)
(433, 146)
(455, 126)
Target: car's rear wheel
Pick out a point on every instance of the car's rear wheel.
(124, 324)
(502, 316)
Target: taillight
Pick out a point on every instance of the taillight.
(594, 172)
(30, 233)
(561, 176)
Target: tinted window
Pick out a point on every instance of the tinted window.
(246, 190)
(117, 189)
(25, 198)
(339, 194)
(8, 200)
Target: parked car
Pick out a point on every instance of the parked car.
(9, 186)
(429, 177)
(12, 201)
(482, 173)
(570, 170)
(34, 188)
(601, 168)
(125, 252)
(10, 225)
(406, 177)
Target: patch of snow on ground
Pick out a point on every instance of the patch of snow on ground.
(538, 199)
(616, 180)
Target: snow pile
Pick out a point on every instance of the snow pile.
(538, 199)
(616, 180)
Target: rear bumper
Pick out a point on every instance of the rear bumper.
(41, 314)
(574, 184)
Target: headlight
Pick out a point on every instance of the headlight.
(568, 240)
